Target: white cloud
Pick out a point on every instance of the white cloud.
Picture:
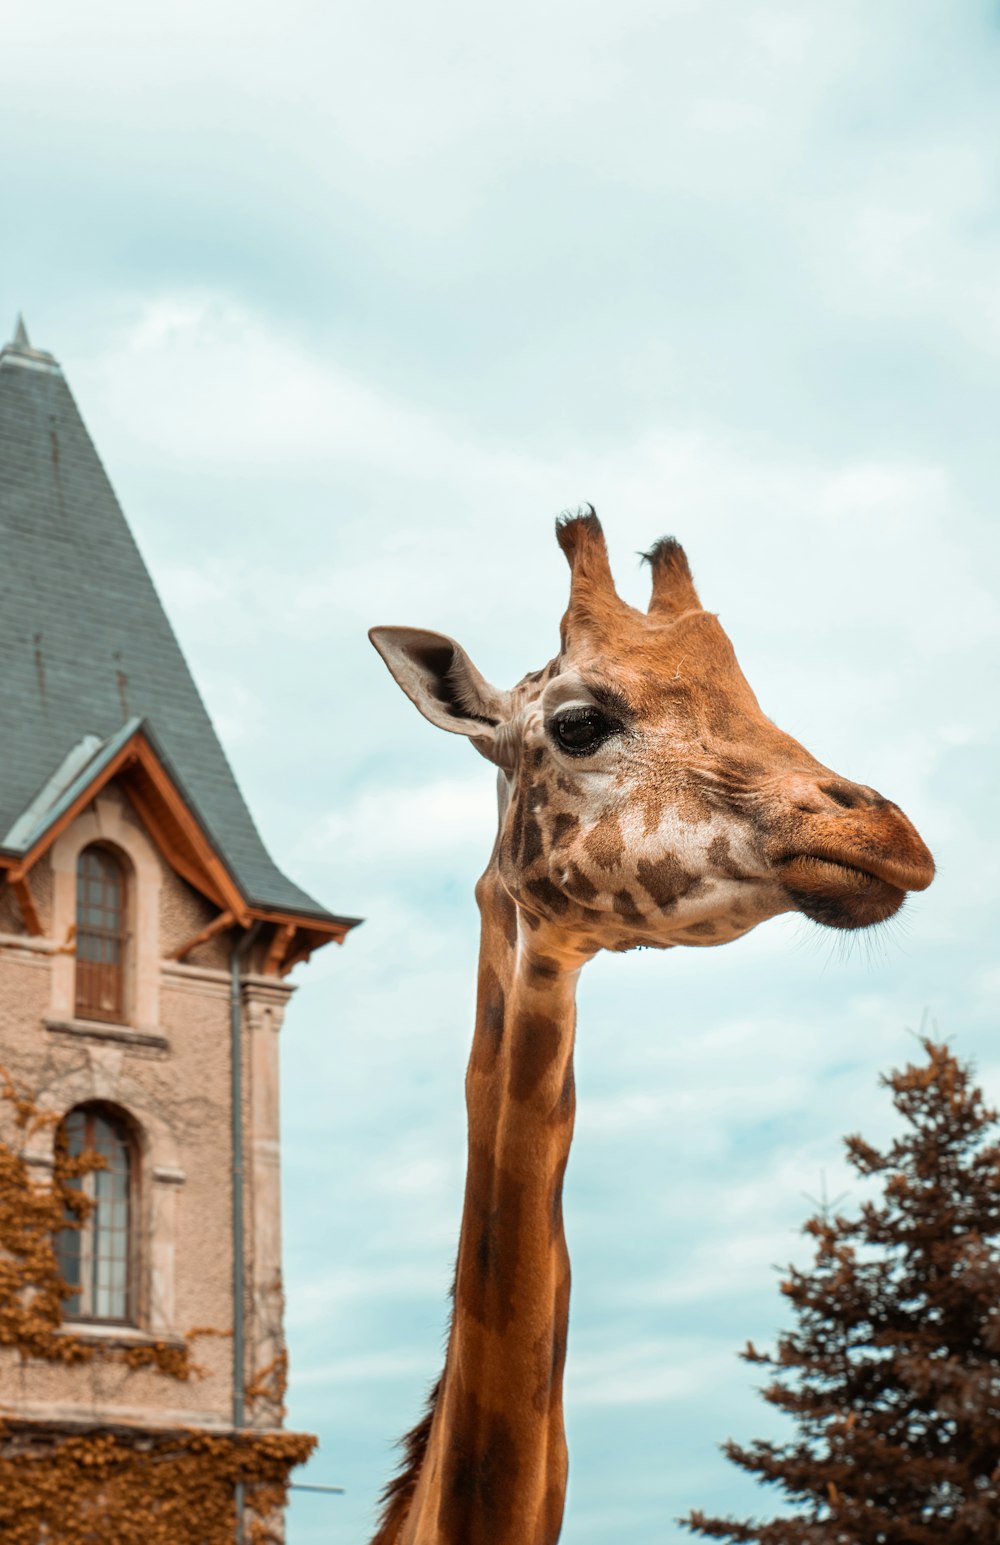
(332, 1295)
(404, 824)
(353, 303)
(367, 1369)
(660, 1372)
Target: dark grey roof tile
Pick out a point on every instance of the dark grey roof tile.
(85, 644)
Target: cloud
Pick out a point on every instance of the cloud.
(647, 1372)
(403, 825)
(337, 1292)
(354, 304)
(371, 1367)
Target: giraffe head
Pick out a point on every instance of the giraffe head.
(645, 798)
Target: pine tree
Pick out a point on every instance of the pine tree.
(892, 1374)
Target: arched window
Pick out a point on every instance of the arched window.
(100, 934)
(96, 1258)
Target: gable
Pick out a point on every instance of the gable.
(87, 653)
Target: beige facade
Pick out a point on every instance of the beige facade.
(165, 1072)
(141, 920)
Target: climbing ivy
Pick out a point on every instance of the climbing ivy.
(112, 1488)
(112, 1485)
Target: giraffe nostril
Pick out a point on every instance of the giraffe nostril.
(849, 796)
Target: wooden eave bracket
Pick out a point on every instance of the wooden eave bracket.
(208, 873)
(297, 956)
(295, 938)
(218, 925)
(25, 900)
(192, 856)
(188, 851)
(281, 943)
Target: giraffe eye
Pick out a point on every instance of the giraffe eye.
(581, 730)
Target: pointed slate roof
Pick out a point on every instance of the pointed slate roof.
(86, 650)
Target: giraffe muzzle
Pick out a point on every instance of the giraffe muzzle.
(849, 890)
(838, 895)
(853, 855)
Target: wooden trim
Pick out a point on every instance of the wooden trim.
(178, 861)
(26, 902)
(211, 877)
(216, 870)
(217, 925)
(200, 865)
(336, 928)
(297, 956)
(284, 933)
(123, 758)
(99, 980)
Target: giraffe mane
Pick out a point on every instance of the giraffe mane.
(398, 1492)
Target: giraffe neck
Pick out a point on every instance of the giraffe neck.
(494, 1467)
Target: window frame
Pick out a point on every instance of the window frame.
(121, 1129)
(88, 1005)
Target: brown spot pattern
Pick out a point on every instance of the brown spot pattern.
(491, 1243)
(550, 1355)
(489, 1020)
(548, 894)
(479, 1475)
(507, 912)
(517, 819)
(720, 854)
(567, 1098)
(604, 843)
(538, 796)
(624, 905)
(578, 885)
(560, 1331)
(563, 826)
(539, 1038)
(531, 842)
(666, 880)
(542, 1356)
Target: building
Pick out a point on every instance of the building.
(145, 938)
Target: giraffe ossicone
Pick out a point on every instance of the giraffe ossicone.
(644, 800)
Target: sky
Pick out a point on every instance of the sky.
(354, 300)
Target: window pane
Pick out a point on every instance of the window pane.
(96, 1257)
(74, 1127)
(68, 1259)
(100, 940)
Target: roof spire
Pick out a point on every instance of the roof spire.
(19, 352)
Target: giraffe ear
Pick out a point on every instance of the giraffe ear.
(437, 675)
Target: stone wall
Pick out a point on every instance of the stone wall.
(167, 1071)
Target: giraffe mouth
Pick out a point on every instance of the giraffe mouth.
(839, 895)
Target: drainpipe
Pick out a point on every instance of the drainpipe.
(236, 1103)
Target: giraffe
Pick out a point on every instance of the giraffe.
(644, 799)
